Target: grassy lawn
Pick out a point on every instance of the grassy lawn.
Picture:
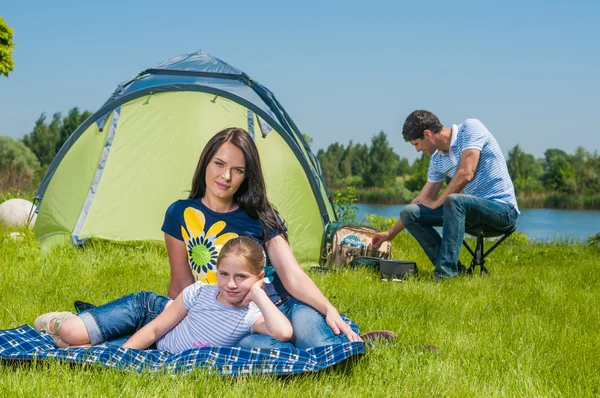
(528, 329)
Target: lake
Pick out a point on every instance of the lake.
(539, 224)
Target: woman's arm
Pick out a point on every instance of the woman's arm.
(299, 285)
(272, 321)
(167, 320)
(181, 275)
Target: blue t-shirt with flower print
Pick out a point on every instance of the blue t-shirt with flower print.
(204, 233)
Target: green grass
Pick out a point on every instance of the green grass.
(528, 329)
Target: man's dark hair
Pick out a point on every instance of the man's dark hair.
(419, 121)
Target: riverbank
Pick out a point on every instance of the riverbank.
(544, 225)
(551, 200)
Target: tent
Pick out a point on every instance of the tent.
(118, 172)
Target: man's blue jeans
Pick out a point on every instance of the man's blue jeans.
(310, 329)
(458, 211)
(115, 321)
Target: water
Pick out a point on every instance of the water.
(539, 224)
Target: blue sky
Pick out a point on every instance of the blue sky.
(343, 70)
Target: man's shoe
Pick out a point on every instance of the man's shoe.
(379, 335)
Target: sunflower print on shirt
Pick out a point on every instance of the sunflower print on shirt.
(202, 246)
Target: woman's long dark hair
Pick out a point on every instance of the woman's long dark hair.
(251, 196)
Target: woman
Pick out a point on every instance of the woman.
(228, 199)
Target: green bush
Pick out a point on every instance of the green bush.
(344, 205)
(379, 222)
(15, 155)
(355, 181)
(391, 195)
(559, 200)
(18, 165)
(519, 238)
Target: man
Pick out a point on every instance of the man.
(471, 157)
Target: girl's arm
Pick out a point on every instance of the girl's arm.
(299, 285)
(167, 320)
(181, 275)
(272, 321)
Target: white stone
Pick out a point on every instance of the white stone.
(16, 212)
(16, 235)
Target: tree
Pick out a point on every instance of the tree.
(591, 177)
(515, 156)
(307, 138)
(383, 160)
(69, 124)
(44, 138)
(345, 167)
(551, 153)
(330, 163)
(586, 174)
(420, 167)
(524, 170)
(6, 48)
(403, 167)
(360, 164)
(559, 174)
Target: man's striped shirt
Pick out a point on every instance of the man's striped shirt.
(491, 179)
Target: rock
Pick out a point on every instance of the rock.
(16, 235)
(16, 212)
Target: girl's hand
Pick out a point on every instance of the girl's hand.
(335, 322)
(255, 289)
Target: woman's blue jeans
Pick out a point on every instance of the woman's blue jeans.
(310, 329)
(458, 211)
(116, 321)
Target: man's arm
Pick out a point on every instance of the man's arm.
(427, 194)
(464, 174)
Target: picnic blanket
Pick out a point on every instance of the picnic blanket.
(26, 343)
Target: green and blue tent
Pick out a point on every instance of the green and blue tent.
(118, 172)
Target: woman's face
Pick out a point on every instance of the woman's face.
(225, 173)
(234, 279)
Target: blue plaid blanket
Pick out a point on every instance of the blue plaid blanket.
(26, 343)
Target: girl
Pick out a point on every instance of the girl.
(228, 199)
(201, 315)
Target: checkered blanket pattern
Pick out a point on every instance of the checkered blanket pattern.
(26, 343)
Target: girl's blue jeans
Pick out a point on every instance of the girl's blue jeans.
(114, 322)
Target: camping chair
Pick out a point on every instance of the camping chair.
(479, 254)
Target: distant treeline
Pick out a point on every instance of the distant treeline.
(558, 180)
